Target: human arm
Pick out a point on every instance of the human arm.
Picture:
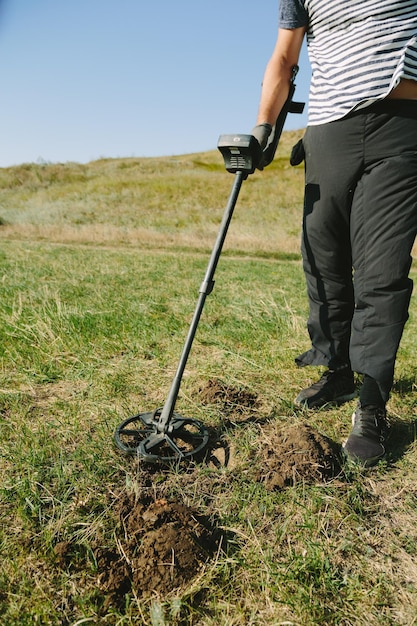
(276, 82)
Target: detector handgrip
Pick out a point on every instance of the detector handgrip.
(242, 153)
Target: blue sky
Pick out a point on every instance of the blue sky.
(85, 79)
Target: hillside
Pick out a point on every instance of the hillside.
(175, 201)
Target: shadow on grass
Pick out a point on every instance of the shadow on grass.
(403, 432)
(402, 435)
(405, 386)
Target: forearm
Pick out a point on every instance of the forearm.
(278, 73)
(275, 88)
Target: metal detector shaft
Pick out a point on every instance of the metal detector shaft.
(163, 435)
(205, 290)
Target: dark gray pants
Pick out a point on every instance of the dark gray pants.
(359, 226)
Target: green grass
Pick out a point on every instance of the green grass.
(100, 268)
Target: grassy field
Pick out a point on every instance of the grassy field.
(100, 266)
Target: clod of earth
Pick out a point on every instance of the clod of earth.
(161, 547)
(231, 398)
(296, 454)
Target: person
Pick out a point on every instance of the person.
(360, 201)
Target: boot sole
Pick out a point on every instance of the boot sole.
(358, 462)
(304, 402)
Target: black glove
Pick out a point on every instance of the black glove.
(261, 133)
(297, 153)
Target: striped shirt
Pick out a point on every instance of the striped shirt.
(358, 49)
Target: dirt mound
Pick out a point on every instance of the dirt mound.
(161, 546)
(296, 454)
(231, 398)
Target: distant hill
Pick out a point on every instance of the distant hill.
(173, 201)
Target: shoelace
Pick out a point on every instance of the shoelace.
(339, 381)
(370, 422)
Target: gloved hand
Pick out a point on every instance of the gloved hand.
(261, 133)
(297, 153)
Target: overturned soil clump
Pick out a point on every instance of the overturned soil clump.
(231, 399)
(296, 454)
(161, 546)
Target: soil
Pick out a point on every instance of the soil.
(161, 546)
(235, 404)
(231, 399)
(295, 454)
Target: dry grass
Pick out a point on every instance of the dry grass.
(151, 202)
(99, 271)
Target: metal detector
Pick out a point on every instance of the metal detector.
(163, 435)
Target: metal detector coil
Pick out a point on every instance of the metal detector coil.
(163, 435)
(182, 439)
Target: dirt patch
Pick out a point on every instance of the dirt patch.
(296, 454)
(231, 398)
(161, 546)
(63, 553)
